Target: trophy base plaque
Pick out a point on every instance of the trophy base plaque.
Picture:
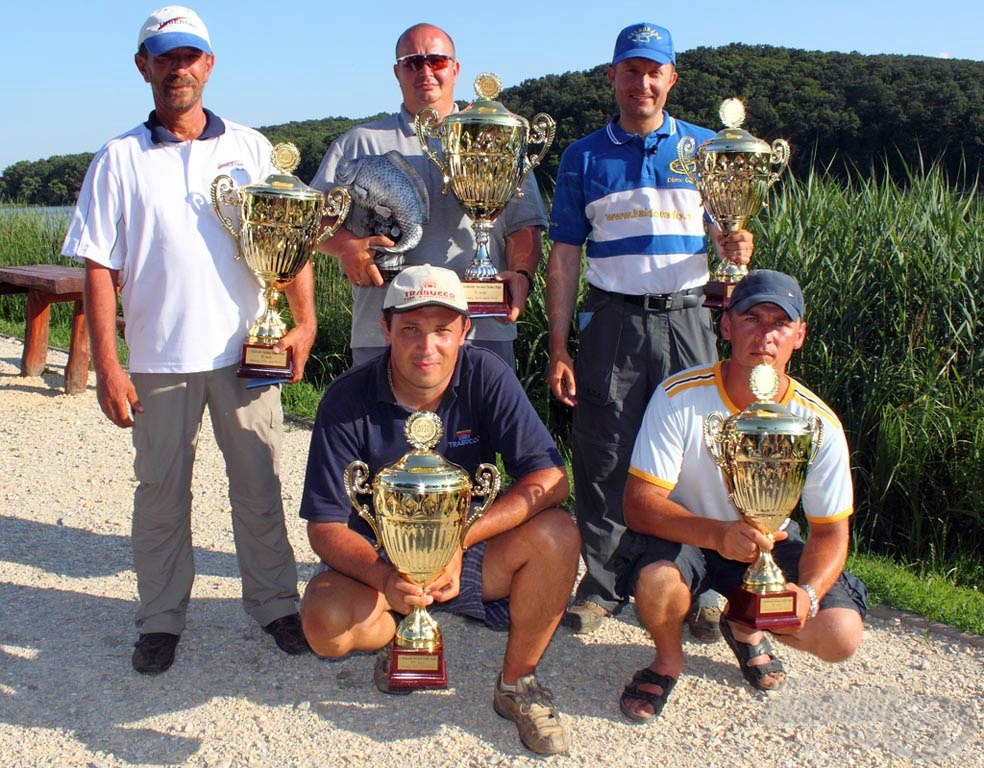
(486, 298)
(259, 361)
(777, 609)
(717, 294)
(415, 669)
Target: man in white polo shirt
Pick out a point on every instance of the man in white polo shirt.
(686, 535)
(143, 221)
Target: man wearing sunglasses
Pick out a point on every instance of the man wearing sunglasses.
(426, 69)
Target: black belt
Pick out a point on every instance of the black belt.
(659, 302)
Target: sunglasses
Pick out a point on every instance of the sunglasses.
(415, 61)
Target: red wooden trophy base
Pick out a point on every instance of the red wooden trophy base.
(717, 295)
(486, 298)
(259, 361)
(762, 611)
(417, 669)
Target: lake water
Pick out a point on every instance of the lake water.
(44, 211)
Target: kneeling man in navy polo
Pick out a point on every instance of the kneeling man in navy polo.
(521, 557)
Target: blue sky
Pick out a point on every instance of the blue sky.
(69, 83)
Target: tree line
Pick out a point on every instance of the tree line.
(839, 111)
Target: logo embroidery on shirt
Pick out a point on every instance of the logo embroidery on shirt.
(462, 438)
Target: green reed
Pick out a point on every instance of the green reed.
(890, 269)
(33, 236)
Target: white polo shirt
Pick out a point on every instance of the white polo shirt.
(670, 451)
(145, 209)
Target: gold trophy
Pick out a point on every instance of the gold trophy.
(278, 230)
(763, 452)
(422, 512)
(733, 172)
(485, 164)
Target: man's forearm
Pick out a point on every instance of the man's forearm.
(824, 555)
(100, 315)
(345, 551)
(300, 296)
(523, 250)
(563, 277)
(526, 498)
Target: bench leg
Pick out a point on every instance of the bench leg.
(36, 333)
(77, 369)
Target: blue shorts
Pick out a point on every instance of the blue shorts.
(703, 569)
(494, 614)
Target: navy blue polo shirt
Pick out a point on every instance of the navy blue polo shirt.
(485, 412)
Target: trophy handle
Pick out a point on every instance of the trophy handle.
(354, 479)
(816, 427)
(714, 437)
(426, 124)
(338, 201)
(487, 484)
(686, 148)
(542, 130)
(780, 159)
(224, 192)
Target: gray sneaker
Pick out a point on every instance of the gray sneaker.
(704, 622)
(585, 616)
(531, 707)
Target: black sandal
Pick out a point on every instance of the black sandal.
(756, 675)
(657, 701)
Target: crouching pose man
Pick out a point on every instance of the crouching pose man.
(687, 534)
(521, 557)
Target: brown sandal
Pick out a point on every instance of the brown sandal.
(657, 701)
(755, 675)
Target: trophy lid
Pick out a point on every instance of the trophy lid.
(765, 416)
(422, 469)
(285, 157)
(485, 109)
(732, 138)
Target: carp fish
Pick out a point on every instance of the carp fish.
(388, 198)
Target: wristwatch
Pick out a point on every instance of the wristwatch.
(814, 602)
(528, 276)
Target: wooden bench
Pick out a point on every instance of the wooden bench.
(46, 284)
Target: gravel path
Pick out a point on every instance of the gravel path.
(912, 696)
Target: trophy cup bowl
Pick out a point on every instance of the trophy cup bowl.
(423, 509)
(278, 223)
(763, 453)
(485, 163)
(733, 172)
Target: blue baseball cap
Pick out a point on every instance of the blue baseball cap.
(173, 27)
(766, 286)
(644, 41)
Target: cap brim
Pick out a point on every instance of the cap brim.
(161, 44)
(643, 53)
(421, 305)
(748, 302)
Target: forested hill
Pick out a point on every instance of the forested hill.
(837, 110)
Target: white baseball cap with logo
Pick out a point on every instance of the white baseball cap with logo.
(425, 286)
(174, 27)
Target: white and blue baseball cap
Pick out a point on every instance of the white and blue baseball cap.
(644, 41)
(174, 26)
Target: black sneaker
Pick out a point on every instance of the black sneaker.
(154, 652)
(289, 634)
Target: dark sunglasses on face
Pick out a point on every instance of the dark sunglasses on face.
(415, 61)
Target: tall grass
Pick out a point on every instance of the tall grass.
(33, 236)
(891, 269)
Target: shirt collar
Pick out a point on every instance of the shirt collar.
(619, 135)
(160, 135)
(406, 119)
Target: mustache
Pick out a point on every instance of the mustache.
(180, 80)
